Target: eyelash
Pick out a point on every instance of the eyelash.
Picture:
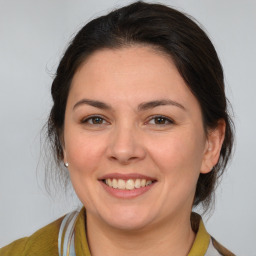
(84, 121)
(170, 121)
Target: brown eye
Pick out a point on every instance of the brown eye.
(94, 120)
(160, 120)
(97, 120)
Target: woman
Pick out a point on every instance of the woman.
(140, 121)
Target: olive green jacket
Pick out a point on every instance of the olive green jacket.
(44, 242)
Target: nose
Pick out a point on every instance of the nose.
(125, 146)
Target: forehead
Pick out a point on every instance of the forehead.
(128, 54)
(135, 72)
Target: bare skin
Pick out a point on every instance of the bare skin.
(130, 114)
(165, 238)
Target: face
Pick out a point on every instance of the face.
(132, 122)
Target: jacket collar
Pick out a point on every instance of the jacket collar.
(199, 246)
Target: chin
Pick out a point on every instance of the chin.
(127, 219)
(128, 225)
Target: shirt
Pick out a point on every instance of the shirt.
(45, 240)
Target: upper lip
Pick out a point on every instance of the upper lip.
(126, 176)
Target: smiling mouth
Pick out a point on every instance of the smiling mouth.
(129, 184)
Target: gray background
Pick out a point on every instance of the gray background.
(33, 36)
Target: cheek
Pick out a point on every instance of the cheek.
(84, 152)
(178, 160)
(180, 155)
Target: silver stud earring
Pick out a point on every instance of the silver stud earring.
(66, 164)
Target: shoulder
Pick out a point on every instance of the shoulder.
(42, 242)
(205, 244)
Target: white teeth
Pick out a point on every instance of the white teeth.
(121, 184)
(148, 182)
(127, 184)
(137, 183)
(143, 183)
(114, 183)
(109, 182)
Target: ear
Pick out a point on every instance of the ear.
(213, 146)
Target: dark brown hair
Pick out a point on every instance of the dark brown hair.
(172, 33)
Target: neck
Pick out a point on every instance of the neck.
(173, 236)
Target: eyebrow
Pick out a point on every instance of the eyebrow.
(141, 107)
(152, 104)
(94, 103)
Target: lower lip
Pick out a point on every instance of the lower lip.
(126, 194)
